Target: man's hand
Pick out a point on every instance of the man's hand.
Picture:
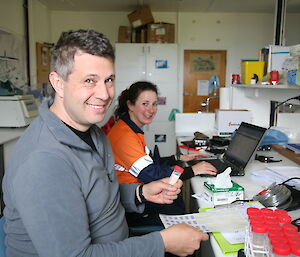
(182, 239)
(160, 191)
(192, 156)
(204, 168)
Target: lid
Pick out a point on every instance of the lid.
(274, 227)
(270, 216)
(280, 212)
(178, 169)
(270, 223)
(289, 227)
(286, 219)
(259, 228)
(252, 210)
(281, 249)
(266, 211)
(291, 234)
(278, 239)
(295, 249)
(275, 233)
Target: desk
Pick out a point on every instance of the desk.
(251, 185)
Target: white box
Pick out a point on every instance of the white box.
(227, 121)
(219, 196)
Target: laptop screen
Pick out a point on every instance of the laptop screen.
(244, 144)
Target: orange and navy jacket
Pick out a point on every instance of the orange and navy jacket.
(133, 162)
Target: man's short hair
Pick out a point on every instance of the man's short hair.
(70, 42)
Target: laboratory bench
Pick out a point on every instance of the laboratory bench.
(251, 184)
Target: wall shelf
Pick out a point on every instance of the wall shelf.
(280, 86)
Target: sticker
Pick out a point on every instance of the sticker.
(161, 64)
(161, 100)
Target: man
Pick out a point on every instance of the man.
(61, 193)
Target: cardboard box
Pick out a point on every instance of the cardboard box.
(124, 35)
(249, 68)
(220, 196)
(161, 33)
(139, 35)
(227, 121)
(140, 17)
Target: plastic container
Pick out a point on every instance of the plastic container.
(281, 249)
(259, 235)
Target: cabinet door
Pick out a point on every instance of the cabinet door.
(161, 63)
(130, 65)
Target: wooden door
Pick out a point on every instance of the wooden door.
(199, 67)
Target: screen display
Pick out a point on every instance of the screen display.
(242, 148)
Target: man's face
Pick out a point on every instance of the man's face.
(88, 92)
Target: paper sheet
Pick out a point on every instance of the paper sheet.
(231, 220)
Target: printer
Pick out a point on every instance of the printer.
(17, 110)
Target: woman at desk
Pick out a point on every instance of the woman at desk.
(137, 107)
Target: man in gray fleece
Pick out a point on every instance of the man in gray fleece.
(60, 189)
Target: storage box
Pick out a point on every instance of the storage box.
(124, 35)
(141, 17)
(139, 35)
(249, 68)
(161, 33)
(227, 121)
(223, 195)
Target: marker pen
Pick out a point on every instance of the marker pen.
(175, 175)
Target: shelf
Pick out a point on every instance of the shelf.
(280, 86)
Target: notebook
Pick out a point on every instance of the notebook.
(240, 151)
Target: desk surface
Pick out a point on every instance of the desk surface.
(251, 184)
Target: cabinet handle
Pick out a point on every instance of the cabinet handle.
(148, 49)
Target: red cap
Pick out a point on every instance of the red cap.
(289, 227)
(179, 169)
(259, 228)
(280, 212)
(266, 211)
(281, 249)
(285, 219)
(252, 210)
(295, 249)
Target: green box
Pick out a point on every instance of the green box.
(220, 196)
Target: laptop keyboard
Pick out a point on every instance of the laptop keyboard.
(219, 165)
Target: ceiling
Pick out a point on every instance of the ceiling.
(242, 6)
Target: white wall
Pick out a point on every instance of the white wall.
(39, 31)
(12, 16)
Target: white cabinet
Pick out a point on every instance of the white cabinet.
(156, 63)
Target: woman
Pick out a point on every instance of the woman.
(137, 107)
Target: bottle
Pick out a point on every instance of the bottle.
(175, 175)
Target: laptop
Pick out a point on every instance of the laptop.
(240, 151)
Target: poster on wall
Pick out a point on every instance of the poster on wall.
(43, 55)
(13, 67)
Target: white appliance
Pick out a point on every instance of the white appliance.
(17, 110)
(156, 63)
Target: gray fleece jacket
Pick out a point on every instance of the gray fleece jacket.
(63, 199)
